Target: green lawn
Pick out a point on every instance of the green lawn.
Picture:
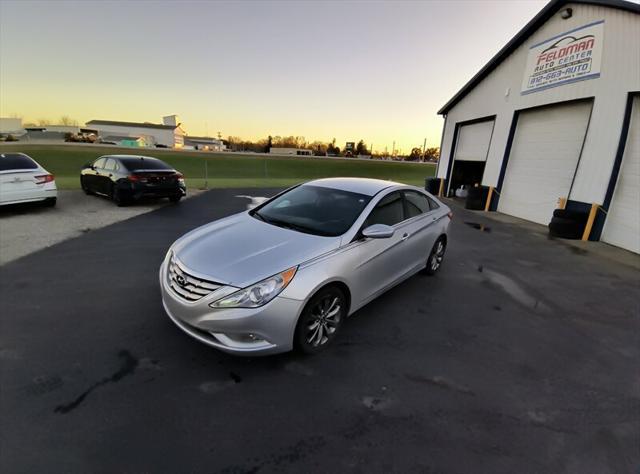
(225, 169)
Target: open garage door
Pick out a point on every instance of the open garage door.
(543, 160)
(471, 152)
(622, 226)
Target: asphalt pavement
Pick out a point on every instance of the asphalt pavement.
(522, 355)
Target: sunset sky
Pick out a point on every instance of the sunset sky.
(350, 70)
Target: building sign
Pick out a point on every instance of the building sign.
(570, 57)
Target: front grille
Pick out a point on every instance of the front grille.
(187, 286)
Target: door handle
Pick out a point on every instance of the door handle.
(405, 236)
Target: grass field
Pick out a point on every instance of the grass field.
(225, 169)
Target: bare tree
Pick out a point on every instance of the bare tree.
(68, 121)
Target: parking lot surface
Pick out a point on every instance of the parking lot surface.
(26, 228)
(522, 355)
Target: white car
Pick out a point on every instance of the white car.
(22, 179)
(287, 273)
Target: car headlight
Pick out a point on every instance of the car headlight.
(259, 294)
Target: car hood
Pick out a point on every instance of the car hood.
(241, 250)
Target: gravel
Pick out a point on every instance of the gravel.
(28, 228)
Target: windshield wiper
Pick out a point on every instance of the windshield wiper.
(258, 215)
(289, 225)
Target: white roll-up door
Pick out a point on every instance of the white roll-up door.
(543, 160)
(622, 225)
(473, 141)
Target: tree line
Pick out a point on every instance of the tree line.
(321, 148)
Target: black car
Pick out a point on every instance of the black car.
(125, 178)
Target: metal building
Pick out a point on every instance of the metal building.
(556, 114)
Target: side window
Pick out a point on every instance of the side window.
(99, 163)
(432, 204)
(416, 203)
(110, 165)
(389, 211)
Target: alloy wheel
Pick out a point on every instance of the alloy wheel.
(325, 318)
(437, 256)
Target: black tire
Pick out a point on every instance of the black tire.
(436, 257)
(476, 198)
(566, 228)
(572, 215)
(474, 204)
(50, 202)
(85, 188)
(117, 197)
(311, 339)
(175, 198)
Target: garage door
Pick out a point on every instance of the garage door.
(622, 226)
(473, 141)
(543, 160)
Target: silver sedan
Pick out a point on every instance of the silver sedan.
(287, 273)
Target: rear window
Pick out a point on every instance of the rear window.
(133, 164)
(16, 161)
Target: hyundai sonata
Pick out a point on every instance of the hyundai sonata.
(287, 273)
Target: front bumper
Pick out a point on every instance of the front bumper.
(243, 331)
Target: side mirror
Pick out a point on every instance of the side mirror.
(378, 231)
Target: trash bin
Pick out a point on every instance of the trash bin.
(432, 185)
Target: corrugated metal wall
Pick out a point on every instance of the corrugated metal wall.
(499, 94)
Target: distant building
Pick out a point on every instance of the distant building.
(125, 141)
(290, 151)
(12, 126)
(204, 143)
(168, 134)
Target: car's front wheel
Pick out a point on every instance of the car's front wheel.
(84, 187)
(320, 320)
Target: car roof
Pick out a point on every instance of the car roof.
(135, 157)
(366, 186)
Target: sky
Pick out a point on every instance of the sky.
(350, 70)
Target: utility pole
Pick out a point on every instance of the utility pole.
(393, 149)
(424, 148)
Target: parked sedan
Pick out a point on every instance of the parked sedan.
(125, 178)
(287, 273)
(23, 180)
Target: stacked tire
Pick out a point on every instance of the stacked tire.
(432, 185)
(567, 224)
(476, 198)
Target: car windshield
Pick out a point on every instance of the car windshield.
(133, 164)
(314, 210)
(16, 161)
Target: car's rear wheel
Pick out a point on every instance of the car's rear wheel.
(50, 202)
(175, 198)
(434, 262)
(117, 197)
(320, 320)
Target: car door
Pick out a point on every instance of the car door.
(376, 264)
(107, 176)
(92, 175)
(421, 217)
